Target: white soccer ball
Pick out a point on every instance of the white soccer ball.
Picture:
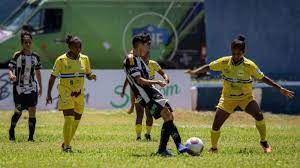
(195, 145)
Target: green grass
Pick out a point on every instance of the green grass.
(107, 139)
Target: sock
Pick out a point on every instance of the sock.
(74, 127)
(31, 126)
(138, 130)
(215, 135)
(164, 137)
(14, 119)
(175, 134)
(261, 127)
(148, 128)
(68, 129)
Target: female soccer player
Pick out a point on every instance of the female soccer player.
(71, 67)
(23, 67)
(153, 67)
(237, 72)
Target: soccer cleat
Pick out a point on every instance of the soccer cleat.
(266, 147)
(12, 135)
(67, 149)
(138, 138)
(164, 153)
(213, 150)
(30, 140)
(148, 137)
(182, 149)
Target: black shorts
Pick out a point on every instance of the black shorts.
(156, 104)
(23, 101)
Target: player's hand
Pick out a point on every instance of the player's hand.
(48, 99)
(190, 72)
(167, 80)
(287, 93)
(40, 92)
(122, 94)
(92, 77)
(161, 83)
(13, 78)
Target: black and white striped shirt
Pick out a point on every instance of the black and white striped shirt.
(134, 66)
(24, 67)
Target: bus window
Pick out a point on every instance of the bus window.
(46, 21)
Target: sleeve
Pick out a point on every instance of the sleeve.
(216, 65)
(255, 71)
(38, 63)
(87, 66)
(56, 68)
(157, 67)
(131, 67)
(13, 62)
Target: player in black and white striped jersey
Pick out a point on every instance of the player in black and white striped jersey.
(23, 68)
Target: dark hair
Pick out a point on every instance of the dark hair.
(25, 33)
(140, 38)
(72, 39)
(239, 43)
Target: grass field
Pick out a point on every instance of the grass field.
(107, 139)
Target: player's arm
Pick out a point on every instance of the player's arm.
(88, 71)
(142, 81)
(202, 69)
(50, 86)
(164, 75)
(11, 66)
(124, 87)
(39, 79)
(284, 91)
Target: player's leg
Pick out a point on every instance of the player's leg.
(149, 123)
(31, 122)
(31, 102)
(14, 120)
(132, 101)
(17, 114)
(139, 120)
(220, 117)
(67, 130)
(76, 122)
(254, 110)
(170, 129)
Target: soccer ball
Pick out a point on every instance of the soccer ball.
(195, 145)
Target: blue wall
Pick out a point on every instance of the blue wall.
(272, 29)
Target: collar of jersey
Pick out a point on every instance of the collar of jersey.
(238, 63)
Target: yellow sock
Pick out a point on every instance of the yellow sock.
(68, 129)
(138, 130)
(148, 128)
(215, 135)
(261, 127)
(74, 128)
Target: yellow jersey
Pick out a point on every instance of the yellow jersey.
(237, 79)
(153, 67)
(71, 72)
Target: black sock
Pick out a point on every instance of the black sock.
(14, 119)
(175, 134)
(31, 124)
(164, 136)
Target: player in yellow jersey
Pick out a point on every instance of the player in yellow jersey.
(153, 68)
(71, 68)
(238, 72)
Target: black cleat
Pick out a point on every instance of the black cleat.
(138, 138)
(164, 153)
(67, 149)
(30, 140)
(12, 135)
(148, 137)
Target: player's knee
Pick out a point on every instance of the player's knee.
(259, 116)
